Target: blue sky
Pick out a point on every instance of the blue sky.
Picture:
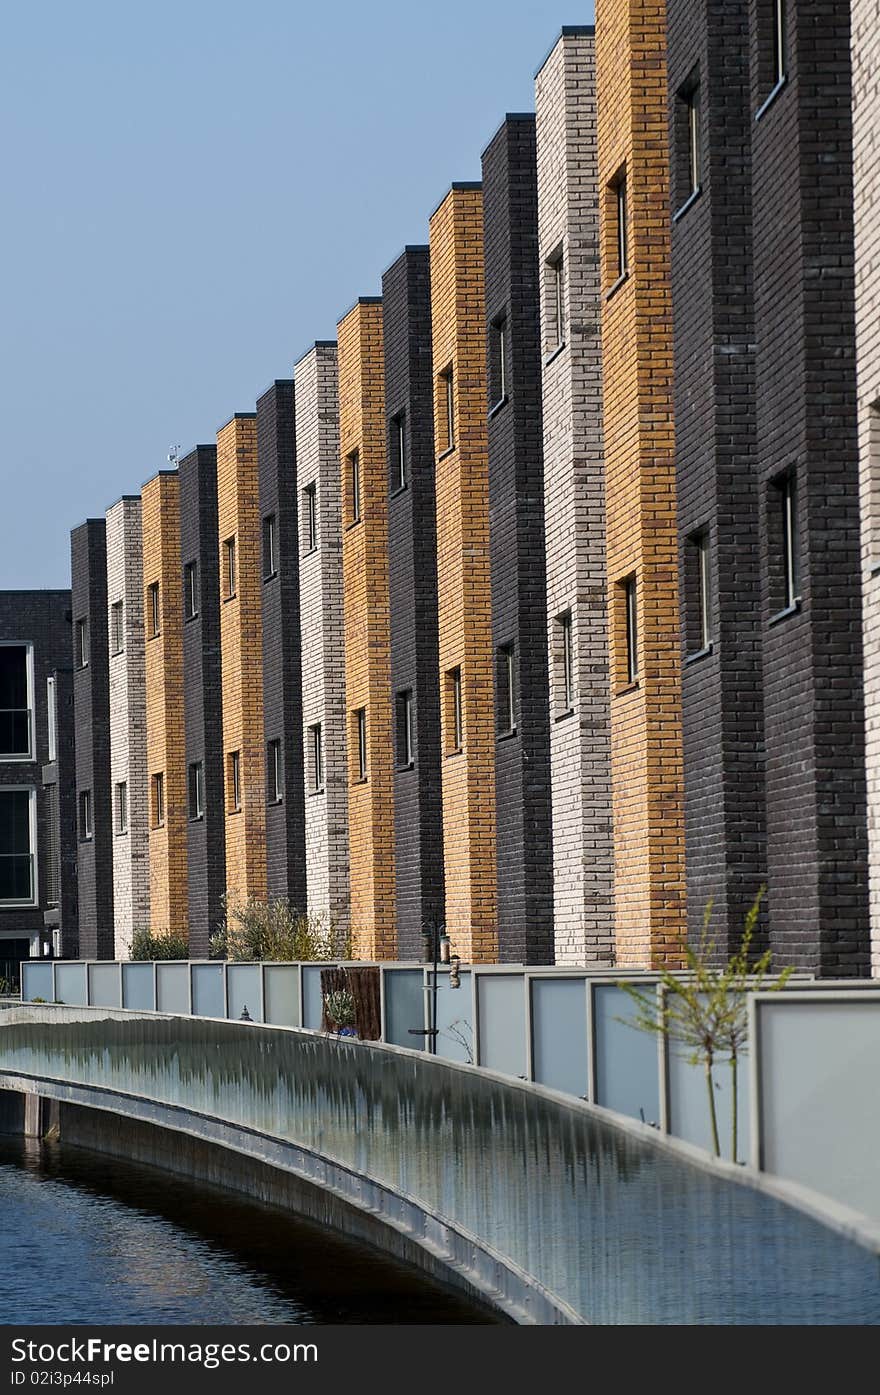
(195, 191)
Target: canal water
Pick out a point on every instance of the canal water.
(89, 1239)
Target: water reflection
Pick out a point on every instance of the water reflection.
(89, 1238)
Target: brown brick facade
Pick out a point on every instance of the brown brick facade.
(166, 745)
(367, 629)
(241, 658)
(463, 577)
(646, 739)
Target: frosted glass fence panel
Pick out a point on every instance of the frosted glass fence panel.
(281, 990)
(404, 1006)
(71, 984)
(138, 987)
(501, 1018)
(688, 1103)
(455, 1034)
(627, 1071)
(36, 981)
(105, 985)
(817, 1060)
(207, 990)
(559, 1034)
(311, 993)
(243, 991)
(172, 987)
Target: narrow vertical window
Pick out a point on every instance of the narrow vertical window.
(354, 487)
(687, 173)
(497, 362)
(235, 781)
(698, 614)
(693, 122)
(783, 540)
(629, 598)
(52, 714)
(360, 736)
(780, 41)
(397, 445)
(567, 662)
(117, 629)
(229, 568)
(196, 790)
(122, 807)
(316, 759)
(270, 566)
(153, 609)
(555, 294)
(405, 734)
(158, 800)
(274, 772)
(85, 815)
(455, 715)
(310, 517)
(82, 643)
(622, 245)
(505, 688)
(447, 410)
(191, 590)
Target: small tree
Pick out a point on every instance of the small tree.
(707, 1011)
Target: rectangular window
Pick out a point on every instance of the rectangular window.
(405, 734)
(270, 565)
(117, 628)
(446, 405)
(196, 782)
(567, 656)
(397, 453)
(274, 772)
(783, 542)
(154, 614)
(191, 590)
(316, 759)
(17, 846)
(229, 574)
(85, 815)
(694, 153)
(16, 720)
(360, 736)
(52, 715)
(620, 202)
(234, 781)
(354, 487)
(158, 799)
(555, 287)
(780, 41)
(698, 628)
(505, 688)
(310, 517)
(632, 629)
(122, 807)
(82, 643)
(455, 715)
(688, 153)
(497, 362)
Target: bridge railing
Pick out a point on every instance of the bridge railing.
(616, 1223)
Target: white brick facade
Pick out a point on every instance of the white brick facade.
(580, 745)
(322, 631)
(128, 724)
(866, 151)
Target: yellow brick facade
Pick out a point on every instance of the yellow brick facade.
(166, 747)
(647, 762)
(463, 579)
(241, 658)
(367, 631)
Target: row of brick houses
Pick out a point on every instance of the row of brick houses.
(542, 602)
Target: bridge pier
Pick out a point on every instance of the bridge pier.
(29, 1115)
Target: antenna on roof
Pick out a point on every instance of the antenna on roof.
(173, 456)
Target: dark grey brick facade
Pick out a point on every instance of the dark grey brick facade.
(412, 585)
(282, 673)
(91, 699)
(202, 694)
(516, 522)
(41, 619)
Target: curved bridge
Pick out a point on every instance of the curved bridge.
(549, 1209)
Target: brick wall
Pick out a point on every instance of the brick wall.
(166, 746)
(463, 573)
(128, 716)
(412, 584)
(241, 657)
(322, 633)
(367, 630)
(574, 502)
(516, 538)
(641, 538)
(203, 705)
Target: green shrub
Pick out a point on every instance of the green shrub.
(168, 944)
(276, 930)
